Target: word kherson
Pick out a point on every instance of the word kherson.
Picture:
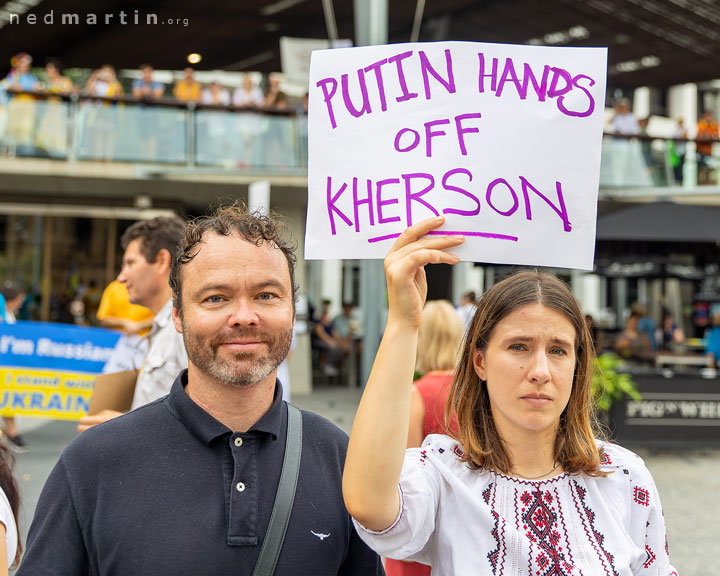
(504, 141)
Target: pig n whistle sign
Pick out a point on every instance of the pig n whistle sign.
(502, 140)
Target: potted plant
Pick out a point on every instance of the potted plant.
(611, 386)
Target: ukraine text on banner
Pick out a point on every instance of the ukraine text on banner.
(48, 370)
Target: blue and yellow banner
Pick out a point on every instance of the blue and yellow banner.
(48, 370)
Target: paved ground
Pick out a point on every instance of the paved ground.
(688, 480)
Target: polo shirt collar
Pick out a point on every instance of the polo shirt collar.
(206, 428)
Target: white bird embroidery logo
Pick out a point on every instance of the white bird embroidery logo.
(321, 536)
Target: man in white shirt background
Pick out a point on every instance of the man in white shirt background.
(150, 246)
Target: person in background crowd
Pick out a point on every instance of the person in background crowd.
(525, 487)
(117, 313)
(633, 343)
(670, 334)
(11, 547)
(712, 348)
(467, 308)
(21, 108)
(345, 324)
(145, 88)
(678, 150)
(248, 94)
(646, 324)
(13, 297)
(149, 248)
(188, 89)
(439, 340)
(707, 134)
(52, 132)
(275, 98)
(55, 82)
(349, 330)
(186, 484)
(216, 130)
(332, 348)
(624, 122)
(101, 118)
(20, 77)
(215, 94)
(103, 82)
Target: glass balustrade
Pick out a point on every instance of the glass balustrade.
(35, 127)
(122, 132)
(638, 163)
(246, 140)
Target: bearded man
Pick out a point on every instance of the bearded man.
(187, 484)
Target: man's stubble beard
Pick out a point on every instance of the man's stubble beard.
(204, 356)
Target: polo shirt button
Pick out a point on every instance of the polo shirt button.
(240, 487)
(238, 442)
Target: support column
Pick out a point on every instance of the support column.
(46, 268)
(110, 251)
(466, 276)
(371, 27)
(371, 22)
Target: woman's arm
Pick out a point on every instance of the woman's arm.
(3, 551)
(379, 434)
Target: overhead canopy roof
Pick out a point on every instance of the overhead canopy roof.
(661, 222)
(651, 42)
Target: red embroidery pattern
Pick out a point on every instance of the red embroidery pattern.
(641, 496)
(494, 555)
(594, 536)
(649, 557)
(423, 456)
(540, 522)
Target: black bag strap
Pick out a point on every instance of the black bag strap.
(275, 535)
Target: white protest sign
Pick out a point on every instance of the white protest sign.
(502, 140)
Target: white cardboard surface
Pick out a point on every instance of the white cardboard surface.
(503, 140)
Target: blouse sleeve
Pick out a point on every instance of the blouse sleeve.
(8, 520)
(419, 489)
(647, 524)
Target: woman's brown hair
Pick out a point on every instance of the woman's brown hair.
(575, 447)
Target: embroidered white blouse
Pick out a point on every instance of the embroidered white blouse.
(468, 522)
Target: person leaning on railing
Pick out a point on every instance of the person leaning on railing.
(21, 108)
(707, 133)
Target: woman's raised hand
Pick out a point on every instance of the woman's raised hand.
(371, 475)
(405, 272)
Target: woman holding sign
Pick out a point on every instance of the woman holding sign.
(524, 487)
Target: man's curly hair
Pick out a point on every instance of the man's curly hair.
(255, 227)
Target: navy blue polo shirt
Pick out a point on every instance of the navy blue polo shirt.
(167, 489)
